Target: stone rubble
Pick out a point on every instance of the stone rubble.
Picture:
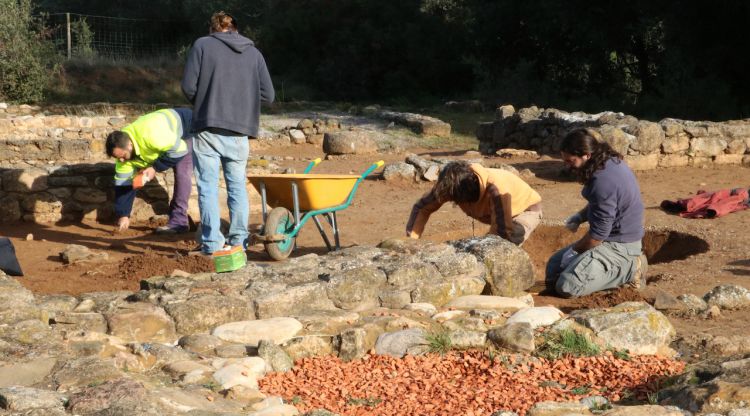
(165, 350)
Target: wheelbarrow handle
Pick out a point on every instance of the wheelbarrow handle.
(312, 164)
(372, 167)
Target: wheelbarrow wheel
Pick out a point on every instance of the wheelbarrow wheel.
(279, 221)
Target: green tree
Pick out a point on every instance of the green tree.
(26, 59)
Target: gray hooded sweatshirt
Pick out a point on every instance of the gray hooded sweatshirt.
(226, 79)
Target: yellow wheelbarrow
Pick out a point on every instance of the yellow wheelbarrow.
(295, 199)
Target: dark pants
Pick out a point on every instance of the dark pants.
(183, 184)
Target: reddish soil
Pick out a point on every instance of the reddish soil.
(691, 256)
(461, 383)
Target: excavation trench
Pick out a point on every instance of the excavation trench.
(660, 246)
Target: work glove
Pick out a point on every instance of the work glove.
(142, 178)
(573, 222)
(568, 257)
(123, 223)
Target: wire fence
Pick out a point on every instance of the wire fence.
(88, 36)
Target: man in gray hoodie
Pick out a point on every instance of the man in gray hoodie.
(226, 79)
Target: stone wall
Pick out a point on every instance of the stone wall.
(74, 192)
(32, 138)
(645, 144)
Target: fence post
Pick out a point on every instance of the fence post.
(67, 21)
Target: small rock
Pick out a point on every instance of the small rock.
(666, 301)
(712, 312)
(179, 273)
(397, 344)
(595, 402)
(692, 303)
(74, 253)
(447, 315)
(297, 136)
(275, 356)
(536, 316)
(432, 173)
(400, 171)
(29, 237)
(422, 307)
(515, 337)
(86, 305)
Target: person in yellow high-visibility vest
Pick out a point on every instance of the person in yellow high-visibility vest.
(153, 143)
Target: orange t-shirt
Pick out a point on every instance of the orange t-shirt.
(522, 196)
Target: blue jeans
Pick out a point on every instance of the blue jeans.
(211, 151)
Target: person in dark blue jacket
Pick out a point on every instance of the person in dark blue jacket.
(609, 254)
(226, 79)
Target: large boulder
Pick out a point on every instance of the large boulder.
(356, 289)
(707, 146)
(399, 171)
(100, 396)
(509, 268)
(26, 373)
(309, 346)
(16, 302)
(728, 297)
(615, 137)
(648, 136)
(633, 326)
(407, 272)
(141, 322)
(278, 330)
(349, 142)
(10, 209)
(397, 344)
(420, 124)
(203, 313)
(517, 337)
(294, 300)
(441, 292)
(22, 399)
(354, 343)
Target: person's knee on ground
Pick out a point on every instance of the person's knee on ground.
(571, 285)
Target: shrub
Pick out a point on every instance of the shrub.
(27, 61)
(567, 343)
(439, 342)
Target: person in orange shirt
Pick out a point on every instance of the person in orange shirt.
(493, 196)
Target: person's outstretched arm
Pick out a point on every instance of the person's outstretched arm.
(420, 213)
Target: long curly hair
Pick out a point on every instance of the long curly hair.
(457, 183)
(582, 141)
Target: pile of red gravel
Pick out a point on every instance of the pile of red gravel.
(461, 383)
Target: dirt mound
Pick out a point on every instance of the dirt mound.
(607, 299)
(143, 266)
(461, 383)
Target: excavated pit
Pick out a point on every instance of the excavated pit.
(660, 246)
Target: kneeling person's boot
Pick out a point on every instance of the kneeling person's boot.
(638, 281)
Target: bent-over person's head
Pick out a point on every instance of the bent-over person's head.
(119, 146)
(457, 183)
(585, 153)
(223, 22)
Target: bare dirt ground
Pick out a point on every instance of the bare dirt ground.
(709, 252)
